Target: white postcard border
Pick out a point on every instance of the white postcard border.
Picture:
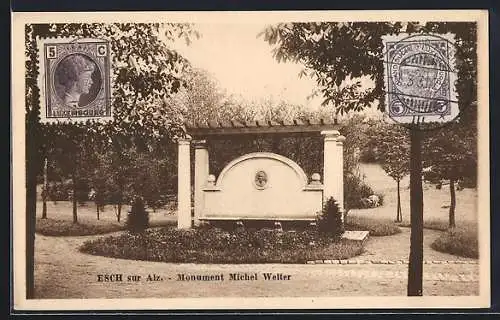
(348, 302)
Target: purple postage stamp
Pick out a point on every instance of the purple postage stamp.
(74, 80)
(420, 78)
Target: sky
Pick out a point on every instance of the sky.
(244, 65)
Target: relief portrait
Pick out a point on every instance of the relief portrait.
(77, 80)
(260, 179)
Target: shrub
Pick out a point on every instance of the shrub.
(330, 220)
(53, 227)
(376, 227)
(355, 189)
(138, 217)
(213, 245)
(461, 242)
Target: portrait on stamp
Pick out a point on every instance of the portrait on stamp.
(77, 80)
(73, 79)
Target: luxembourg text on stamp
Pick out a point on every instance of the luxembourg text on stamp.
(75, 80)
(420, 78)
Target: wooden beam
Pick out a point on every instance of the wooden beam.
(281, 129)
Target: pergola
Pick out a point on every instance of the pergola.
(198, 133)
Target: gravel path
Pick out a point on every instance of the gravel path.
(61, 271)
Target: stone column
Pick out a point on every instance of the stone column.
(340, 159)
(333, 166)
(201, 171)
(184, 184)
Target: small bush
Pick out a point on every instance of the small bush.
(355, 189)
(213, 245)
(138, 217)
(376, 227)
(52, 227)
(381, 198)
(330, 221)
(460, 242)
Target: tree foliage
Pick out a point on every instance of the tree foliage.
(338, 55)
(203, 99)
(394, 146)
(451, 153)
(145, 72)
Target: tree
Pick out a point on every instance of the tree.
(339, 54)
(395, 154)
(355, 129)
(45, 188)
(451, 155)
(145, 71)
(138, 218)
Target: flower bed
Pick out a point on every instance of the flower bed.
(214, 245)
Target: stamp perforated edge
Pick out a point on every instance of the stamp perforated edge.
(40, 42)
(401, 37)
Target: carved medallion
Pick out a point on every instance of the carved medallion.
(260, 180)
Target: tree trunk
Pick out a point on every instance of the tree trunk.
(399, 215)
(453, 202)
(119, 214)
(31, 172)
(45, 190)
(415, 268)
(97, 207)
(74, 200)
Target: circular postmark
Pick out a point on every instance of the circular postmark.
(420, 80)
(77, 80)
(260, 180)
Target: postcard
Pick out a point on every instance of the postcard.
(250, 160)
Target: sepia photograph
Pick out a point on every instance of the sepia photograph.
(250, 160)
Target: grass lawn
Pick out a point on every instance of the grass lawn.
(436, 202)
(214, 245)
(462, 241)
(59, 220)
(377, 227)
